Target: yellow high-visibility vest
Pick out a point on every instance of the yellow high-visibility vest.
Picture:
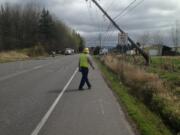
(84, 60)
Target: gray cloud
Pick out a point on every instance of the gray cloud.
(151, 15)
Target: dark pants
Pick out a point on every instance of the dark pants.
(84, 78)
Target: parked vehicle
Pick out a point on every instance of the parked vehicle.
(69, 51)
(103, 51)
(53, 53)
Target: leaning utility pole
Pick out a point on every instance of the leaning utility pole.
(145, 55)
(177, 35)
(100, 40)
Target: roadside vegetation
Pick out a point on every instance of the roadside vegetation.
(147, 88)
(34, 30)
(12, 56)
(23, 54)
(166, 67)
(147, 122)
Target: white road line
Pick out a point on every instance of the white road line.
(101, 106)
(19, 73)
(46, 116)
(38, 67)
(24, 71)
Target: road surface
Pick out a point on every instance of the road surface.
(40, 97)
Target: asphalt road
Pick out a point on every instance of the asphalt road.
(38, 97)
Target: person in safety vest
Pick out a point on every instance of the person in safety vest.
(84, 62)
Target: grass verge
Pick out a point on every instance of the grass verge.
(23, 54)
(147, 88)
(166, 67)
(12, 56)
(147, 122)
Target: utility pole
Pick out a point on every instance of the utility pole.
(100, 40)
(177, 35)
(146, 56)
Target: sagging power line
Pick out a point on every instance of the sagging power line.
(124, 10)
(145, 55)
(139, 3)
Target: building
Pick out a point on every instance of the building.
(176, 49)
(103, 51)
(160, 50)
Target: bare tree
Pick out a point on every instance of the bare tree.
(144, 39)
(157, 38)
(175, 35)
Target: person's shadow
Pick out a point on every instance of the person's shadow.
(57, 91)
(72, 90)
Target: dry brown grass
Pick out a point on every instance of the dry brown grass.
(12, 56)
(147, 87)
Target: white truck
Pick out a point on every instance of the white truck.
(69, 51)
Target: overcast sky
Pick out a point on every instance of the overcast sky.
(141, 17)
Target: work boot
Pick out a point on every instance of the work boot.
(80, 89)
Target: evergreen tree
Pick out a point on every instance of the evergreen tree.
(5, 27)
(28, 26)
(46, 27)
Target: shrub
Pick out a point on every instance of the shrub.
(11, 56)
(148, 88)
(37, 50)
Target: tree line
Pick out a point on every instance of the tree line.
(29, 26)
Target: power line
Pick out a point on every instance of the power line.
(124, 10)
(90, 15)
(110, 25)
(146, 57)
(91, 18)
(110, 5)
(135, 6)
(100, 27)
(101, 38)
(100, 21)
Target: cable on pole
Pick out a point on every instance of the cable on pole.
(135, 6)
(124, 10)
(145, 55)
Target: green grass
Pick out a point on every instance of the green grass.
(168, 69)
(172, 75)
(147, 122)
(160, 60)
